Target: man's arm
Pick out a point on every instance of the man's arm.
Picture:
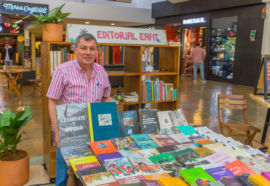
(52, 112)
(106, 99)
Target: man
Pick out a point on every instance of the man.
(77, 81)
(198, 55)
(7, 55)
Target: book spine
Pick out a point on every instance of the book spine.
(160, 91)
(51, 59)
(53, 137)
(142, 91)
(152, 91)
(90, 122)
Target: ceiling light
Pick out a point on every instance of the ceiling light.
(87, 22)
(17, 14)
(0, 14)
(112, 24)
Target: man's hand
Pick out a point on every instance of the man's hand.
(57, 141)
(106, 99)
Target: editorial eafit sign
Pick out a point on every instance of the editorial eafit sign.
(22, 8)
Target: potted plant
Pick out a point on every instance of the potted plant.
(14, 163)
(52, 24)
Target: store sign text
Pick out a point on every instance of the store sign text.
(31, 10)
(126, 35)
(194, 21)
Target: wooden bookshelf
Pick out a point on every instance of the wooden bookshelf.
(169, 62)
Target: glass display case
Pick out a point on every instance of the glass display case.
(222, 52)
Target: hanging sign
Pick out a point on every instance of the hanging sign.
(21, 8)
(26, 37)
(263, 16)
(252, 35)
(194, 21)
(118, 35)
(20, 39)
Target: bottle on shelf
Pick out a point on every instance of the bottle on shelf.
(119, 96)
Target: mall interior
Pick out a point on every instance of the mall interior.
(235, 38)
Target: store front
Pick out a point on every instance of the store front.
(224, 34)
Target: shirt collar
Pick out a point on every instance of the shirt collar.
(94, 66)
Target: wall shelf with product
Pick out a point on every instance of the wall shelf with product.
(55, 53)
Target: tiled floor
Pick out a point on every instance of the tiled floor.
(198, 101)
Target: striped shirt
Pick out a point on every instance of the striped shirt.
(70, 85)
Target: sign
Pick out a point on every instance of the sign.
(194, 21)
(21, 8)
(20, 39)
(26, 37)
(252, 35)
(263, 16)
(118, 35)
(266, 62)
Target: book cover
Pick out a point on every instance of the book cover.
(75, 152)
(157, 176)
(123, 171)
(258, 164)
(187, 130)
(266, 175)
(220, 158)
(132, 184)
(111, 155)
(163, 140)
(148, 152)
(204, 151)
(150, 183)
(255, 153)
(129, 153)
(199, 138)
(101, 147)
(178, 118)
(149, 121)
(196, 176)
(239, 168)
(258, 180)
(103, 121)
(165, 122)
(224, 149)
(124, 143)
(172, 182)
(243, 180)
(128, 123)
(140, 161)
(144, 141)
(84, 162)
(216, 183)
(220, 173)
(238, 154)
(96, 176)
(169, 149)
(212, 146)
(187, 146)
(231, 182)
(180, 138)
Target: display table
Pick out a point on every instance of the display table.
(12, 81)
(260, 99)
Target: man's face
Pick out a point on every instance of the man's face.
(86, 52)
(6, 45)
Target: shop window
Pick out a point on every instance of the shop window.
(173, 32)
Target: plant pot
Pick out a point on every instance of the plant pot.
(52, 32)
(14, 173)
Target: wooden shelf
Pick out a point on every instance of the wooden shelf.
(160, 73)
(131, 103)
(166, 101)
(122, 73)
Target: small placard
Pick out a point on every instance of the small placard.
(104, 119)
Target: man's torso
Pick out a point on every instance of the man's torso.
(198, 55)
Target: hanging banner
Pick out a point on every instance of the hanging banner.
(118, 35)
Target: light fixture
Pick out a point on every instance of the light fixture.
(87, 22)
(17, 14)
(17, 22)
(112, 24)
(0, 14)
(7, 24)
(150, 28)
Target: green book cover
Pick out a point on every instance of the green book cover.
(162, 158)
(153, 97)
(196, 176)
(144, 141)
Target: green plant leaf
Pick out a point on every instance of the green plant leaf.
(53, 13)
(26, 113)
(26, 120)
(5, 118)
(9, 136)
(60, 7)
(64, 15)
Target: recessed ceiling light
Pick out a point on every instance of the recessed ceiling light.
(17, 14)
(112, 24)
(87, 22)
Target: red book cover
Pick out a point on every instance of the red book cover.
(163, 140)
(102, 58)
(239, 168)
(143, 91)
(87, 165)
(161, 90)
(101, 147)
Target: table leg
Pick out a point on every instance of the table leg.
(12, 85)
(266, 125)
(71, 177)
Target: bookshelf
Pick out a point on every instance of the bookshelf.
(169, 62)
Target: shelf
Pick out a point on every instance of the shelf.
(131, 103)
(221, 60)
(160, 73)
(217, 52)
(223, 36)
(166, 101)
(122, 73)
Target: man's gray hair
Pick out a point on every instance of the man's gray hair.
(86, 37)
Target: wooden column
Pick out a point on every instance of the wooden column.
(33, 49)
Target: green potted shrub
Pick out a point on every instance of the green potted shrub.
(14, 163)
(52, 24)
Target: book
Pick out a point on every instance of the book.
(150, 183)
(212, 146)
(186, 146)
(258, 180)
(148, 152)
(220, 158)
(238, 154)
(187, 130)
(101, 147)
(172, 182)
(266, 175)
(157, 176)
(216, 183)
(255, 152)
(96, 176)
(129, 153)
(180, 138)
(196, 176)
(144, 141)
(258, 164)
(103, 121)
(163, 140)
(239, 168)
(149, 121)
(140, 161)
(231, 182)
(124, 143)
(123, 171)
(204, 151)
(105, 156)
(169, 149)
(165, 122)
(132, 184)
(128, 123)
(83, 163)
(178, 118)
(219, 173)
(224, 149)
(243, 180)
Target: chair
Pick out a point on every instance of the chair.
(36, 85)
(20, 77)
(235, 102)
